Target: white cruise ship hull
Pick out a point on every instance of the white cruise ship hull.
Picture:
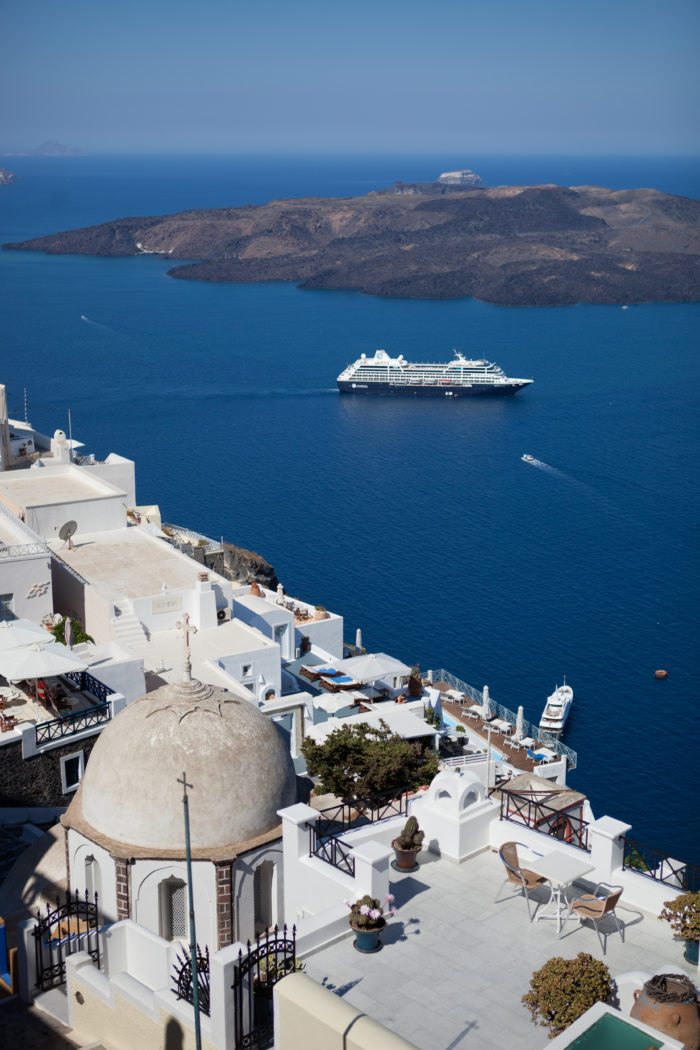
(426, 390)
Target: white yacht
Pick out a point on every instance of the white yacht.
(556, 710)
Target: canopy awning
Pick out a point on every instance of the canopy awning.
(39, 661)
(16, 633)
(372, 666)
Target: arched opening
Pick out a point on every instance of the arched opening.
(444, 794)
(173, 909)
(93, 877)
(262, 896)
(469, 799)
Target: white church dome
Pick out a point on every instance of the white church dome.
(237, 763)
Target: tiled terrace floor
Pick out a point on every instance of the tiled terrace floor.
(455, 964)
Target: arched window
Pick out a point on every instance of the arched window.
(173, 909)
(93, 877)
(262, 896)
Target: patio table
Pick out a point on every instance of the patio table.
(560, 869)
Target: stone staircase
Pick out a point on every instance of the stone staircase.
(127, 629)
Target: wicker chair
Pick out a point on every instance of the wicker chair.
(523, 878)
(595, 907)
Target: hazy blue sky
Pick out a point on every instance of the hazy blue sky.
(603, 76)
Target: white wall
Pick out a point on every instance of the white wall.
(79, 848)
(145, 878)
(323, 634)
(19, 575)
(264, 661)
(117, 471)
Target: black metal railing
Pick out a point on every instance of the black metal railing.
(72, 926)
(346, 816)
(183, 981)
(87, 683)
(333, 851)
(324, 833)
(255, 975)
(565, 825)
(69, 725)
(654, 864)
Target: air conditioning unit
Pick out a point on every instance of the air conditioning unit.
(223, 615)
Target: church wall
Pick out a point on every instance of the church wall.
(243, 890)
(37, 781)
(104, 877)
(146, 878)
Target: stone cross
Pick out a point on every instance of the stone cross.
(187, 628)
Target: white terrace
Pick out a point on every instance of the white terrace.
(459, 954)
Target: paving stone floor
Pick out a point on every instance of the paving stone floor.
(455, 964)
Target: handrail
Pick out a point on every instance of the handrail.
(657, 865)
(560, 824)
(69, 725)
(529, 728)
(333, 850)
(87, 683)
(23, 550)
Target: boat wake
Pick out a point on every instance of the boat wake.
(95, 324)
(547, 469)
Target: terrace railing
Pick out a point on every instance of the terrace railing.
(69, 725)
(654, 864)
(560, 824)
(325, 841)
(87, 683)
(529, 728)
(332, 850)
(23, 550)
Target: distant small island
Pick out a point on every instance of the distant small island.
(50, 149)
(451, 238)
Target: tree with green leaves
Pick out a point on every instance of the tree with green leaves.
(79, 633)
(355, 761)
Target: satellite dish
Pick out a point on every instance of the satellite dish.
(66, 533)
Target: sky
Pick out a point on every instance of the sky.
(498, 76)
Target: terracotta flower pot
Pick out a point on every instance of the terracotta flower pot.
(669, 1004)
(406, 859)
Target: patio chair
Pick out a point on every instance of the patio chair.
(595, 907)
(523, 878)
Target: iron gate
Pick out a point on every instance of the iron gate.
(67, 928)
(256, 973)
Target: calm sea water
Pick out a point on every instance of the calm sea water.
(418, 522)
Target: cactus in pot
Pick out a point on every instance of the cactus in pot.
(408, 845)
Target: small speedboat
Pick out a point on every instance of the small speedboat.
(528, 458)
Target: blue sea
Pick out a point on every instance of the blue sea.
(417, 521)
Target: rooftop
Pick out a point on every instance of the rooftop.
(130, 563)
(455, 963)
(33, 488)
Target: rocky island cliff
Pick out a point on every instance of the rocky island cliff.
(512, 245)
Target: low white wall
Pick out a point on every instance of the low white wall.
(19, 576)
(323, 634)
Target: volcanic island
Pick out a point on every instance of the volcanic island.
(511, 245)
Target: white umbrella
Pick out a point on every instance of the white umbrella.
(39, 661)
(519, 720)
(372, 666)
(15, 633)
(486, 704)
(358, 638)
(68, 633)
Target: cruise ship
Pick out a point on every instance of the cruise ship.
(556, 710)
(396, 377)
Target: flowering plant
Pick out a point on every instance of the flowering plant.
(368, 913)
(683, 913)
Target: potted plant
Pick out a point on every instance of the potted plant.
(683, 914)
(563, 989)
(367, 920)
(408, 845)
(415, 685)
(321, 613)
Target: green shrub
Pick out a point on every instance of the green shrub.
(563, 989)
